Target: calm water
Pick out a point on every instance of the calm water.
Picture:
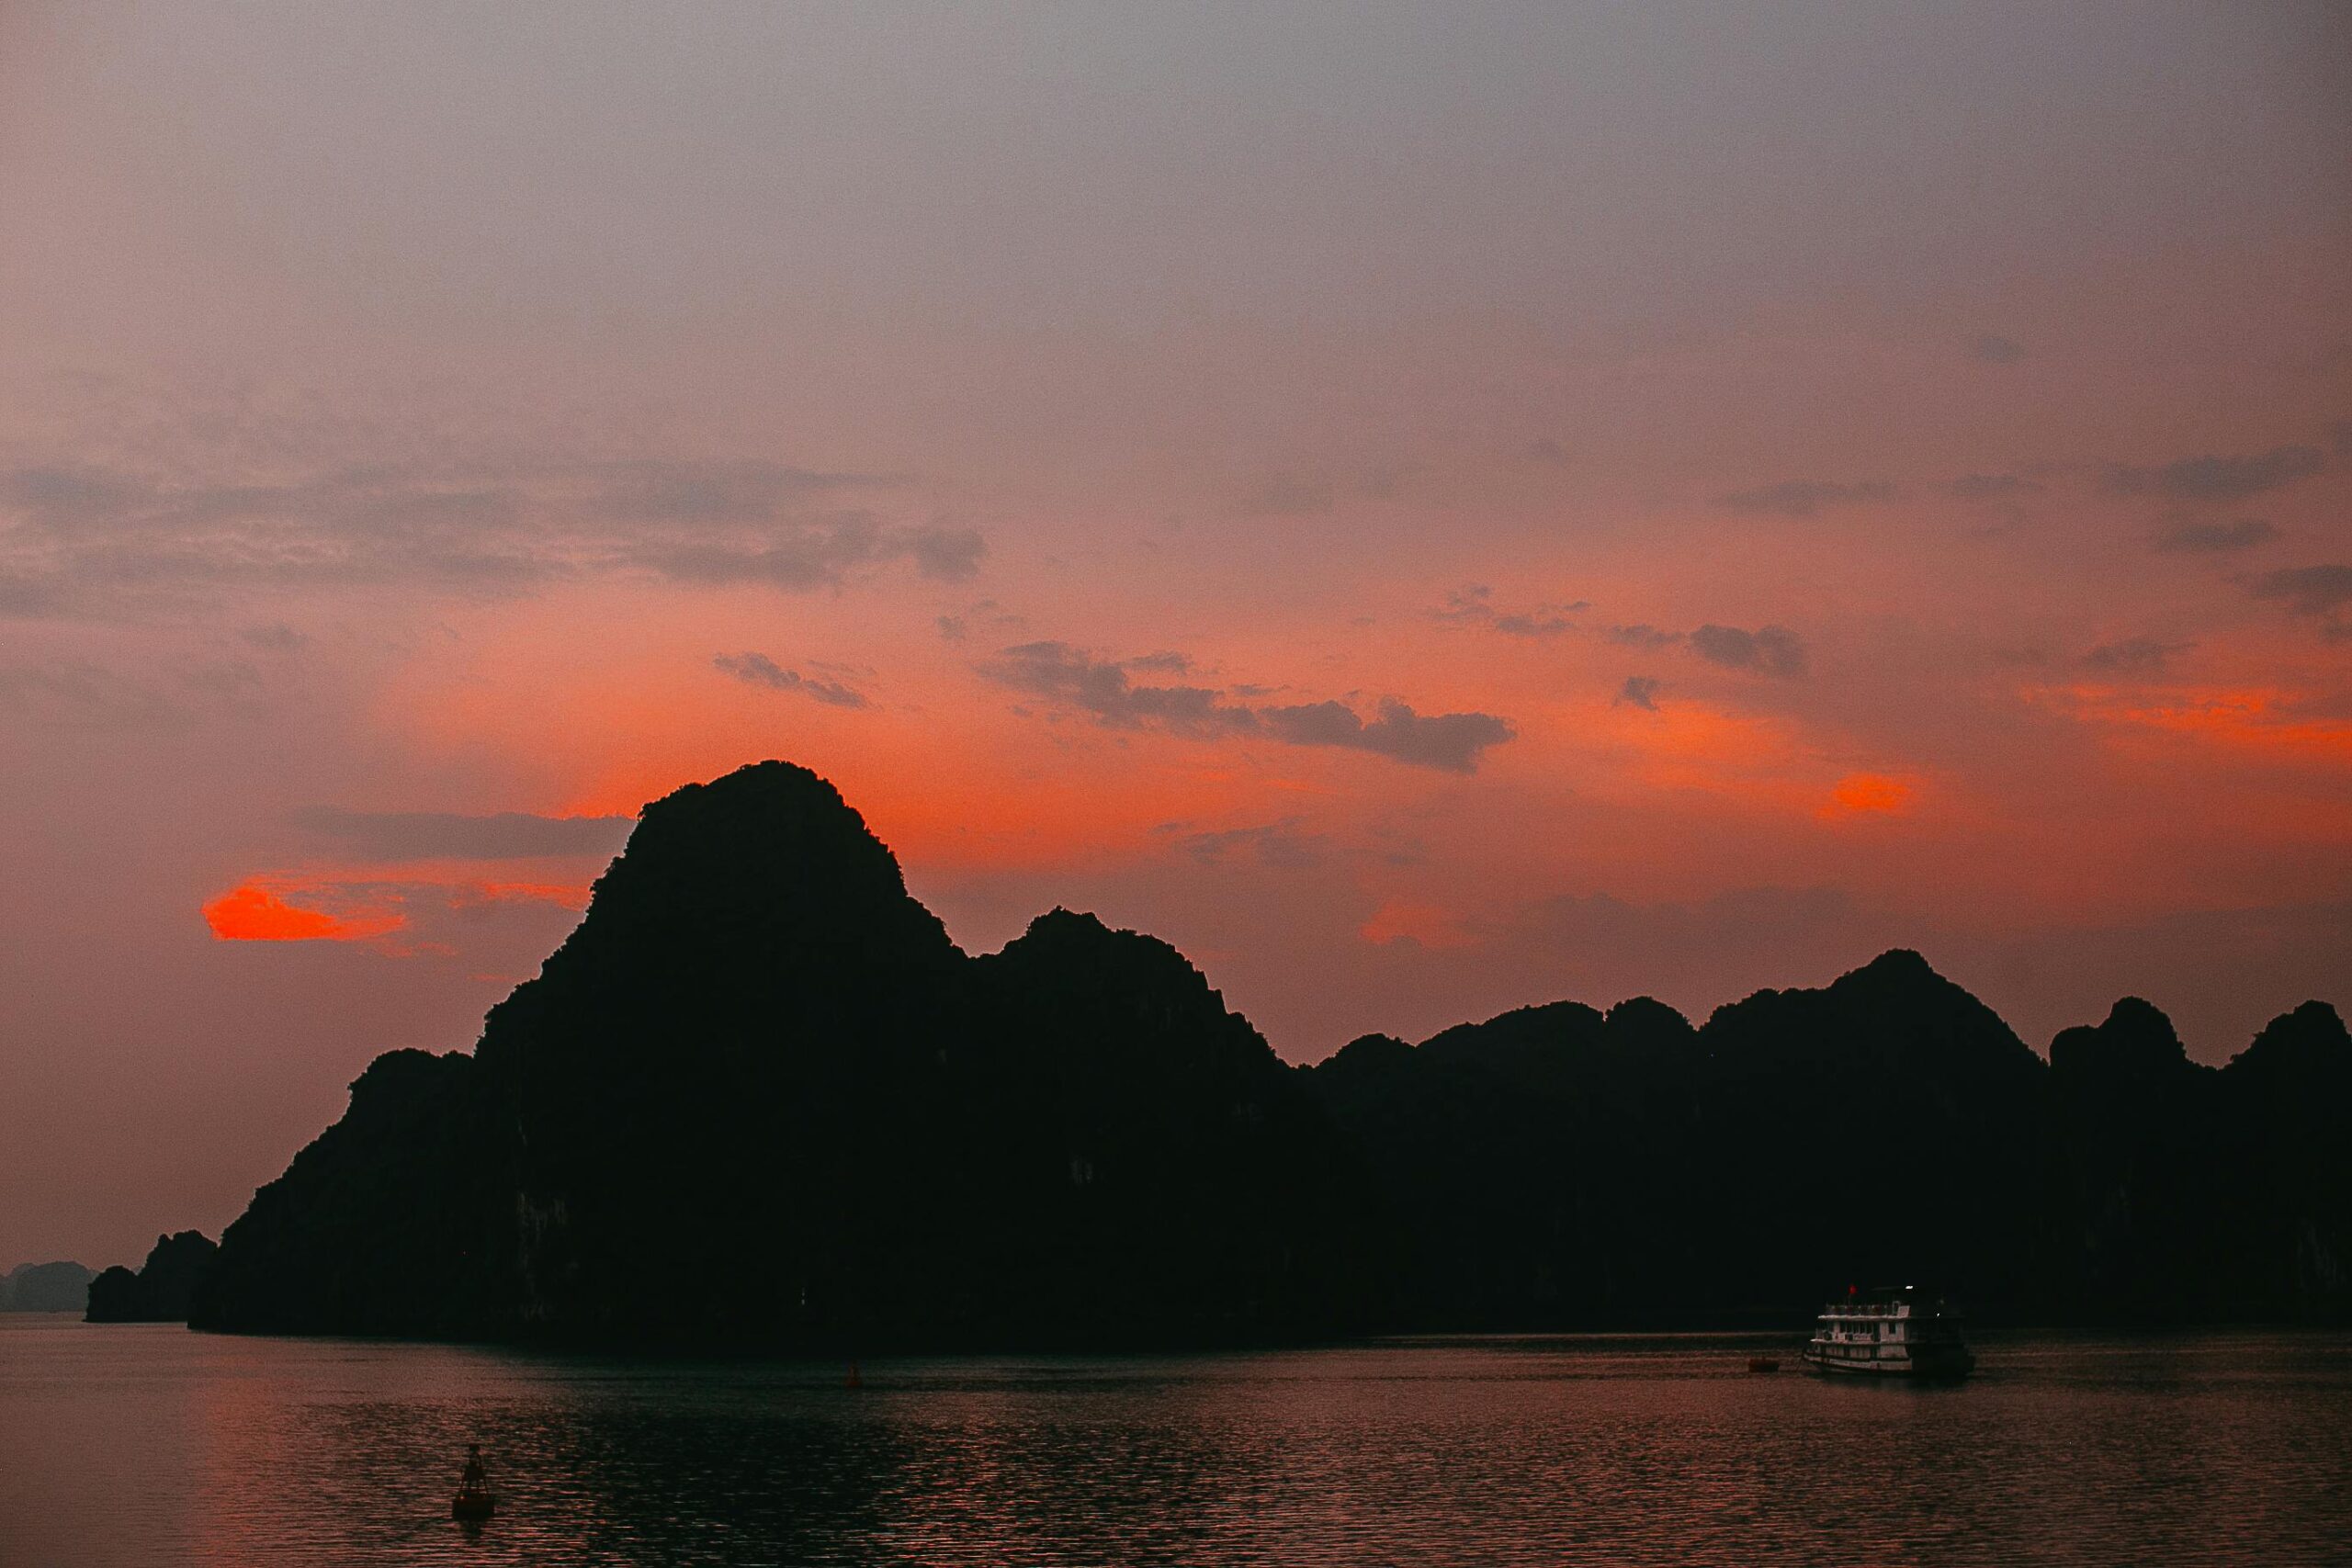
(152, 1445)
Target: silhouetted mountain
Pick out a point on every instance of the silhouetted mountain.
(160, 1290)
(758, 1064)
(45, 1287)
(2141, 1190)
(1558, 1165)
(388, 1223)
(1550, 1169)
(2285, 1100)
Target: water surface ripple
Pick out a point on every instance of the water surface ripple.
(140, 1444)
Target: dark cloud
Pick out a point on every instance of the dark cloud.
(1994, 349)
(2307, 590)
(89, 540)
(1548, 621)
(2214, 539)
(64, 497)
(1102, 688)
(2220, 477)
(1474, 604)
(817, 553)
(1993, 487)
(950, 555)
(1278, 846)
(986, 612)
(657, 492)
(800, 557)
(1450, 740)
(1768, 650)
(444, 835)
(759, 669)
(1161, 663)
(1105, 689)
(1640, 692)
(1644, 636)
(2133, 655)
(1806, 498)
(1471, 602)
(88, 536)
(277, 638)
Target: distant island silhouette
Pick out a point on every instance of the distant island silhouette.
(758, 1097)
(63, 1286)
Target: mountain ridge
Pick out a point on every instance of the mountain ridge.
(758, 1095)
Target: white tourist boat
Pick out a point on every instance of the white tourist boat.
(1893, 1332)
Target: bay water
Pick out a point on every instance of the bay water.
(148, 1444)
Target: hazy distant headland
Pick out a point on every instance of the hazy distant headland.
(45, 1287)
(759, 1096)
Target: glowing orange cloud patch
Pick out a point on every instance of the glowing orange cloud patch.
(1757, 763)
(2256, 717)
(1397, 920)
(1866, 792)
(255, 914)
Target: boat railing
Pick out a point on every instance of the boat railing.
(1883, 1309)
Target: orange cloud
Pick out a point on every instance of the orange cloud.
(2263, 718)
(1867, 793)
(255, 914)
(1755, 761)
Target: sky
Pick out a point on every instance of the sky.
(1429, 508)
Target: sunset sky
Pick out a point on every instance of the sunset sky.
(1429, 508)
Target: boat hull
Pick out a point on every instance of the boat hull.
(1946, 1366)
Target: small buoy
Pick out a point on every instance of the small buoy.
(473, 1501)
(853, 1380)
